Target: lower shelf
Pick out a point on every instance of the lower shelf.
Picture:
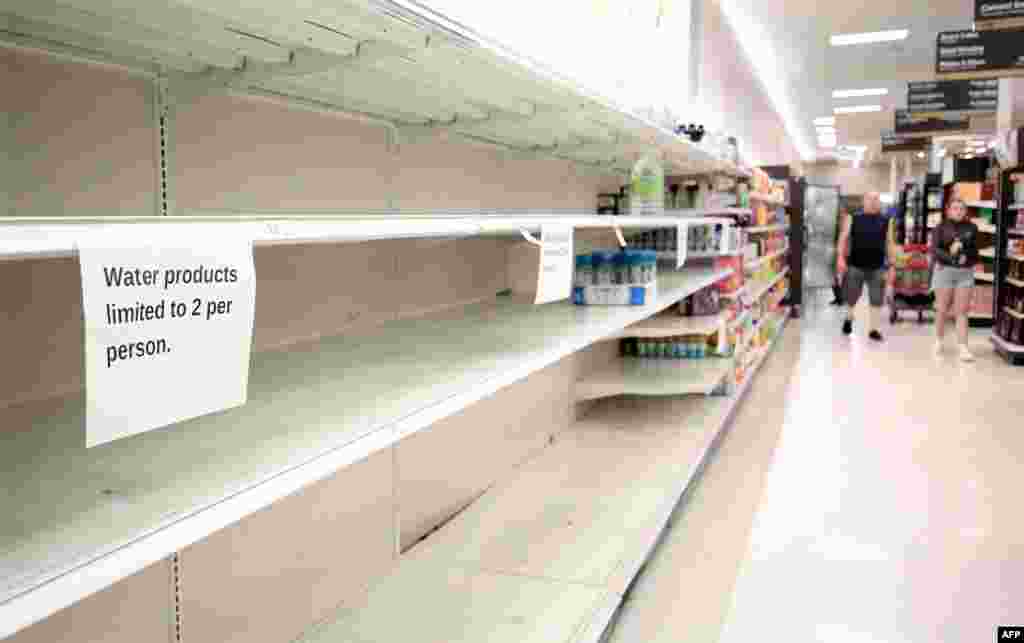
(1013, 353)
(655, 377)
(549, 554)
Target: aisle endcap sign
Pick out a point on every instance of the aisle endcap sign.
(993, 10)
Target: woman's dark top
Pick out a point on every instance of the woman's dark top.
(949, 231)
(868, 238)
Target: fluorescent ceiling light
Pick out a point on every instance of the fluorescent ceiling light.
(857, 109)
(841, 40)
(859, 93)
(825, 120)
(769, 69)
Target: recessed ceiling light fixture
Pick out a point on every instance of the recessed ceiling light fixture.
(825, 120)
(857, 109)
(859, 93)
(842, 40)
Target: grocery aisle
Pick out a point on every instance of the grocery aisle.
(864, 493)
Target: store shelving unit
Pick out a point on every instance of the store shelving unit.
(760, 261)
(338, 400)
(775, 227)
(572, 528)
(1004, 338)
(767, 199)
(164, 510)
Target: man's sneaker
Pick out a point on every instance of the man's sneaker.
(875, 335)
(965, 354)
(847, 326)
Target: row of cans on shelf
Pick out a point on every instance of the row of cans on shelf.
(678, 347)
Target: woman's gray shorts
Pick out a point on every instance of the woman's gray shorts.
(952, 277)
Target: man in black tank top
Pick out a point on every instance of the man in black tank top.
(865, 242)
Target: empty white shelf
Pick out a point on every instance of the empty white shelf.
(655, 377)
(548, 554)
(775, 227)
(45, 238)
(312, 410)
(985, 226)
(986, 277)
(671, 324)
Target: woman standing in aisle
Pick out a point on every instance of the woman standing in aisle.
(954, 253)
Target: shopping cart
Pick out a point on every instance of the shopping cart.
(911, 287)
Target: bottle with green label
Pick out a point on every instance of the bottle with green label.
(647, 186)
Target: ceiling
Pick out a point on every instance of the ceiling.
(809, 69)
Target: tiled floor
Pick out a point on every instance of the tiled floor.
(866, 493)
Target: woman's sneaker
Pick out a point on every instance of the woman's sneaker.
(847, 326)
(938, 347)
(965, 354)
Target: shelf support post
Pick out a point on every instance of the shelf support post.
(163, 116)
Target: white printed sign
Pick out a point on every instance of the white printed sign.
(554, 277)
(682, 243)
(168, 332)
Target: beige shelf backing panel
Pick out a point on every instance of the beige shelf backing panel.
(428, 600)
(319, 547)
(670, 324)
(308, 401)
(641, 376)
(573, 513)
(137, 608)
(434, 479)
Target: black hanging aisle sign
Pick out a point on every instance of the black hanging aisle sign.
(989, 10)
(978, 95)
(892, 142)
(979, 54)
(911, 123)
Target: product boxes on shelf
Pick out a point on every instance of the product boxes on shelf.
(614, 295)
(733, 282)
(615, 278)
